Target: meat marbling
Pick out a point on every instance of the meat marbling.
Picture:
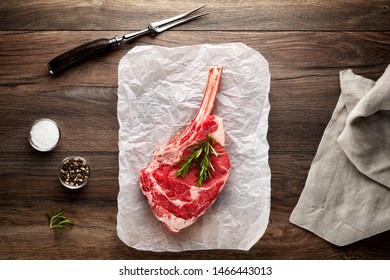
(178, 201)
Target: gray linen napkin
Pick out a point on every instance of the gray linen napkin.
(347, 193)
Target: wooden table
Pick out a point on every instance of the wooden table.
(306, 43)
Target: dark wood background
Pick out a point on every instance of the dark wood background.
(306, 43)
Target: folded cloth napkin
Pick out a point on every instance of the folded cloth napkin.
(347, 193)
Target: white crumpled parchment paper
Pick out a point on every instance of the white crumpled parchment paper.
(159, 91)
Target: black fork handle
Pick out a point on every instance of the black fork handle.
(81, 53)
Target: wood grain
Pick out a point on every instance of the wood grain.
(254, 15)
(307, 44)
(292, 55)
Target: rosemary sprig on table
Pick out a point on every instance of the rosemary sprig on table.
(57, 221)
(200, 156)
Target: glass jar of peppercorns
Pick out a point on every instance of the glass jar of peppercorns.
(74, 172)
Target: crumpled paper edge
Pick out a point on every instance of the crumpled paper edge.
(180, 244)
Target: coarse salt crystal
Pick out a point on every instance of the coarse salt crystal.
(44, 135)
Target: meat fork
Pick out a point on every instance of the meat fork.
(82, 52)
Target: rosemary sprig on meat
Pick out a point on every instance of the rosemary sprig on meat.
(199, 156)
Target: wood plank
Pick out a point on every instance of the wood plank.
(291, 55)
(86, 116)
(267, 15)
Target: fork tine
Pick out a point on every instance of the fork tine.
(165, 27)
(158, 24)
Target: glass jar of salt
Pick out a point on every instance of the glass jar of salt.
(44, 135)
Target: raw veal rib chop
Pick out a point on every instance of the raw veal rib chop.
(178, 201)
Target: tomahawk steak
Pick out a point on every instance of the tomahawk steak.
(178, 199)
